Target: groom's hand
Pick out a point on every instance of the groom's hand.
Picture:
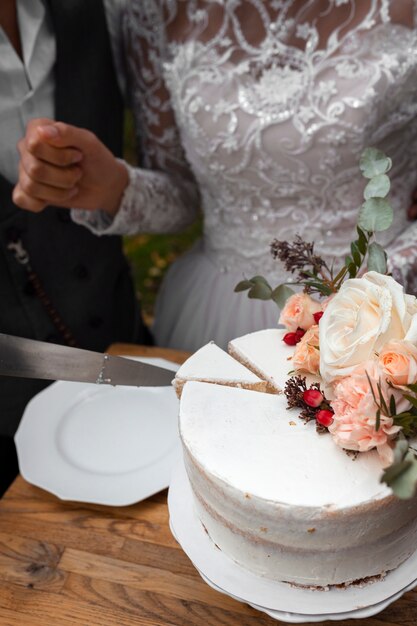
(68, 167)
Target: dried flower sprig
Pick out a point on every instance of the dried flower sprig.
(311, 400)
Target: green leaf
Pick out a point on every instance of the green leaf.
(412, 387)
(243, 285)
(260, 280)
(378, 420)
(340, 275)
(378, 187)
(348, 261)
(394, 471)
(352, 269)
(407, 421)
(392, 406)
(402, 476)
(374, 162)
(356, 254)
(281, 294)
(375, 214)
(321, 287)
(377, 258)
(411, 399)
(260, 291)
(400, 449)
(362, 244)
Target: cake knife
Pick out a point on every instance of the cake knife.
(27, 358)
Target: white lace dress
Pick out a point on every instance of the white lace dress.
(256, 112)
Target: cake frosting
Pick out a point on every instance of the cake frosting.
(265, 354)
(212, 364)
(276, 496)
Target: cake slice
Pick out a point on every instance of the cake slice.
(211, 364)
(265, 353)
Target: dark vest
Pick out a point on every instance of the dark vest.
(86, 277)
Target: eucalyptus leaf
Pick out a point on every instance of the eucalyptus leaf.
(402, 476)
(374, 162)
(260, 280)
(378, 187)
(377, 258)
(243, 285)
(400, 449)
(281, 294)
(260, 291)
(375, 215)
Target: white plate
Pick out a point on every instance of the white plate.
(298, 618)
(98, 443)
(276, 598)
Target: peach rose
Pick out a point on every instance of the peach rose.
(298, 312)
(398, 360)
(306, 357)
(360, 319)
(355, 411)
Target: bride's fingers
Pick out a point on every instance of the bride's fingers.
(61, 157)
(45, 193)
(43, 172)
(21, 199)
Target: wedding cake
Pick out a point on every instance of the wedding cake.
(313, 482)
(279, 498)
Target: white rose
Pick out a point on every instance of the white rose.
(364, 315)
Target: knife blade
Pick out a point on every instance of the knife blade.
(28, 358)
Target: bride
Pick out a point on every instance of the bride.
(257, 111)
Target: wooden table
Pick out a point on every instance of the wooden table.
(71, 564)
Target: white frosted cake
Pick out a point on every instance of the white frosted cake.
(276, 496)
(211, 364)
(266, 355)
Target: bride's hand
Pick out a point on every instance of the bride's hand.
(66, 166)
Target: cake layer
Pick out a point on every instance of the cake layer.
(265, 353)
(214, 365)
(283, 500)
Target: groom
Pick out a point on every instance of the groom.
(58, 282)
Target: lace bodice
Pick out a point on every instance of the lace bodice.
(262, 108)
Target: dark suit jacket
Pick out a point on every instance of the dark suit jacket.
(86, 277)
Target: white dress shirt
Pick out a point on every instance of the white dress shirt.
(27, 85)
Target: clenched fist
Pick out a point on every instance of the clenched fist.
(67, 167)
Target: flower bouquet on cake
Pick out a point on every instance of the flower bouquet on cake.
(354, 328)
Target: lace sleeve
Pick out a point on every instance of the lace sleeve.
(162, 195)
(402, 259)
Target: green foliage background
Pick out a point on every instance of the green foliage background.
(151, 255)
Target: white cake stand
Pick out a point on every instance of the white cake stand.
(279, 600)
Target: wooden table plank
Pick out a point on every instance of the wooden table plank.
(72, 564)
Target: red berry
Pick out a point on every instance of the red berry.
(324, 417)
(299, 333)
(317, 316)
(313, 397)
(290, 339)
